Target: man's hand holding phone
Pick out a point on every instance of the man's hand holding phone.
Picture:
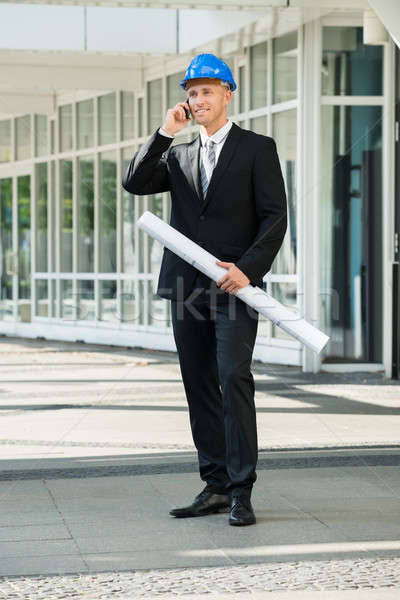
(177, 117)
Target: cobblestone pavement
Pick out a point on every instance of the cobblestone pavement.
(359, 574)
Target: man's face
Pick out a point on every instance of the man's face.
(208, 100)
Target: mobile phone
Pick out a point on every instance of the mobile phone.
(187, 111)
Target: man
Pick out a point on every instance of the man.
(227, 194)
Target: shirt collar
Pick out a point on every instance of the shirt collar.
(218, 136)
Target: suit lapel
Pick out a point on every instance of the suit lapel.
(224, 159)
(191, 167)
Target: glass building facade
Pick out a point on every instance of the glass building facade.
(74, 261)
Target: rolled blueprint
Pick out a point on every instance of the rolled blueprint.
(204, 261)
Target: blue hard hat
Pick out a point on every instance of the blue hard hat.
(208, 65)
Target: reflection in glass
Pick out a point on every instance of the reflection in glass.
(24, 247)
(108, 300)
(140, 118)
(129, 305)
(127, 115)
(7, 257)
(351, 231)
(231, 64)
(157, 316)
(52, 136)
(143, 301)
(42, 298)
(154, 105)
(66, 216)
(350, 67)
(285, 67)
(175, 93)
(67, 300)
(258, 75)
(41, 218)
(242, 89)
(65, 127)
(85, 123)
(285, 293)
(285, 136)
(107, 119)
(129, 264)
(85, 219)
(52, 226)
(86, 307)
(259, 125)
(108, 212)
(5, 141)
(54, 298)
(23, 137)
(40, 135)
(154, 248)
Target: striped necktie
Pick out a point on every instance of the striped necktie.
(207, 165)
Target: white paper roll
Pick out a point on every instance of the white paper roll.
(204, 261)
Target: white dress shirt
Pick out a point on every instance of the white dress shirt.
(218, 137)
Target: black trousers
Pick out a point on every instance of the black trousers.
(215, 342)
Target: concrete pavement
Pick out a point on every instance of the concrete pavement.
(96, 448)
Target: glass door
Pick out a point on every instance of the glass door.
(15, 248)
(7, 256)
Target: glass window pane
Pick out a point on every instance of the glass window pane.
(7, 258)
(53, 284)
(67, 300)
(41, 218)
(351, 249)
(231, 64)
(154, 105)
(286, 294)
(259, 125)
(108, 212)
(143, 301)
(350, 67)
(129, 305)
(242, 89)
(285, 135)
(52, 225)
(258, 75)
(41, 135)
(52, 137)
(155, 248)
(65, 127)
(23, 137)
(86, 307)
(24, 247)
(42, 298)
(285, 67)
(66, 216)
(86, 214)
(127, 115)
(175, 93)
(157, 313)
(129, 264)
(5, 141)
(140, 118)
(85, 123)
(108, 300)
(107, 119)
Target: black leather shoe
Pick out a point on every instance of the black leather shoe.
(205, 503)
(241, 511)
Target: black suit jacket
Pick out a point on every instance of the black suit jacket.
(243, 218)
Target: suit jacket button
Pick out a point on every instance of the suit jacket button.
(202, 217)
